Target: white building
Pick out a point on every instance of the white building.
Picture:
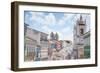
(32, 38)
(64, 52)
(44, 46)
(79, 31)
(68, 47)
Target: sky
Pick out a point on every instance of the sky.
(60, 22)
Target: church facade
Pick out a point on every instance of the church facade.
(78, 33)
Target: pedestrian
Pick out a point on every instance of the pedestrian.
(37, 53)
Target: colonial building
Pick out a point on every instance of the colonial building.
(63, 50)
(68, 48)
(79, 31)
(44, 46)
(32, 39)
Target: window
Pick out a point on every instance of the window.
(81, 31)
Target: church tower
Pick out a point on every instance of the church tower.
(79, 30)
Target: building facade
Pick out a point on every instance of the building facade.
(32, 39)
(79, 31)
(44, 46)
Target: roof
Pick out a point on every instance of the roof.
(36, 30)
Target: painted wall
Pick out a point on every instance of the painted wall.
(5, 37)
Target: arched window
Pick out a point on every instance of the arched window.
(81, 31)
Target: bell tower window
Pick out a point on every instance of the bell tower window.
(81, 31)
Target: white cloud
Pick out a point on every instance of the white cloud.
(66, 18)
(69, 16)
(40, 14)
(33, 17)
(50, 19)
(66, 30)
(37, 16)
(61, 22)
